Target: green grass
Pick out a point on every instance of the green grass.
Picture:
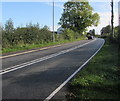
(99, 79)
(23, 47)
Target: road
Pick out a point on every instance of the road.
(37, 74)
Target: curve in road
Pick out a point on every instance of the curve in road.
(44, 79)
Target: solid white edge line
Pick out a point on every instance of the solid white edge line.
(65, 82)
(10, 69)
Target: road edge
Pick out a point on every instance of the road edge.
(67, 80)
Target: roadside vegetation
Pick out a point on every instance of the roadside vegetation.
(76, 18)
(32, 36)
(100, 78)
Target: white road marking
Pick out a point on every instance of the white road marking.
(7, 70)
(65, 82)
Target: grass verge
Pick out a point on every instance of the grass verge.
(23, 47)
(99, 79)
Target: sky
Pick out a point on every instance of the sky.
(23, 13)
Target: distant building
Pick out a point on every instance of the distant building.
(60, 30)
(119, 12)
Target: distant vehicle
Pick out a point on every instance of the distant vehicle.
(89, 36)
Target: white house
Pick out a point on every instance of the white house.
(60, 30)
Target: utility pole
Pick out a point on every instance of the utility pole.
(53, 24)
(112, 19)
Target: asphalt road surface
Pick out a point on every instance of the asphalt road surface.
(36, 75)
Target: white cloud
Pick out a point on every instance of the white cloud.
(105, 19)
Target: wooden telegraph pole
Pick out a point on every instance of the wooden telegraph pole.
(53, 36)
(112, 19)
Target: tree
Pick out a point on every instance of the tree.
(77, 16)
(117, 35)
(9, 27)
(93, 32)
(9, 32)
(1, 29)
(116, 32)
(106, 30)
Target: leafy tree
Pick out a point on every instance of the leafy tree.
(106, 30)
(78, 16)
(119, 38)
(116, 32)
(8, 33)
(9, 27)
(93, 32)
(1, 33)
(117, 35)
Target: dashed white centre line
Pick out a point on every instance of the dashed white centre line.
(10, 69)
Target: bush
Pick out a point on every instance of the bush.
(31, 34)
(69, 34)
